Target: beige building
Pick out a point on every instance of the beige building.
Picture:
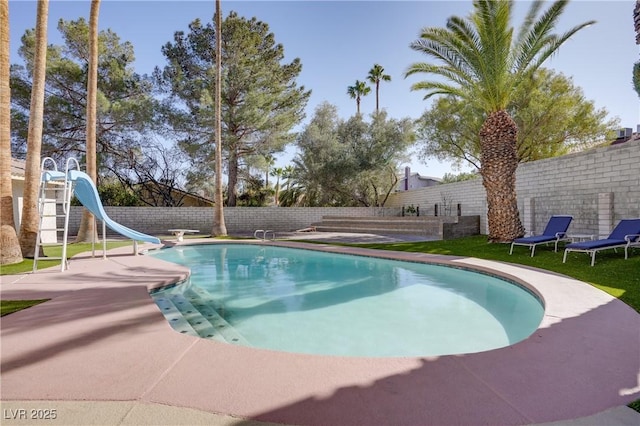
(17, 185)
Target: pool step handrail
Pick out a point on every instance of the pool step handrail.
(265, 234)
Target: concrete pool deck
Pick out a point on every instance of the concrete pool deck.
(100, 352)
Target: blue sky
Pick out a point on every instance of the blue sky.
(338, 42)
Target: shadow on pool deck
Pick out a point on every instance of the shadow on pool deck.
(460, 389)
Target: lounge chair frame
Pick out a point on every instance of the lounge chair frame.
(558, 237)
(631, 240)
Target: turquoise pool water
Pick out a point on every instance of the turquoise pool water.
(313, 302)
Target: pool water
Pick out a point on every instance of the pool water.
(314, 302)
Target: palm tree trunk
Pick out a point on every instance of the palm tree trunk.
(30, 216)
(377, 96)
(219, 226)
(498, 137)
(9, 244)
(87, 231)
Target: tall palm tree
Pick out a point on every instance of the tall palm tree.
(87, 229)
(376, 75)
(484, 63)
(287, 174)
(277, 172)
(219, 226)
(9, 244)
(358, 90)
(30, 215)
(269, 161)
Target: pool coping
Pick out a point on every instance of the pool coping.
(583, 360)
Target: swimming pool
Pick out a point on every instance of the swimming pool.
(307, 301)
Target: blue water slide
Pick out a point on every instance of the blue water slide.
(87, 194)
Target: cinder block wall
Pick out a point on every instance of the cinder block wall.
(157, 220)
(598, 188)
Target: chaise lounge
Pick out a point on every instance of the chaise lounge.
(626, 234)
(555, 231)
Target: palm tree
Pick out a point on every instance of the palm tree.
(287, 173)
(376, 75)
(9, 244)
(277, 172)
(219, 226)
(269, 161)
(30, 216)
(87, 230)
(485, 63)
(358, 90)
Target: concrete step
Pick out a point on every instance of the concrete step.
(191, 314)
(206, 304)
(384, 225)
(409, 225)
(372, 230)
(173, 315)
(379, 218)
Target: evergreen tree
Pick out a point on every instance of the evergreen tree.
(261, 101)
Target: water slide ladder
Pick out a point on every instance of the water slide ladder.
(54, 201)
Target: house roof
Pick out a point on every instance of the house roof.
(623, 139)
(419, 177)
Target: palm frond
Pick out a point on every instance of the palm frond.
(452, 74)
(438, 88)
(468, 44)
(552, 46)
(480, 59)
(529, 20)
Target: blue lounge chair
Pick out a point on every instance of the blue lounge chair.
(626, 234)
(555, 232)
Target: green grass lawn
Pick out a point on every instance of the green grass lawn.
(56, 251)
(9, 306)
